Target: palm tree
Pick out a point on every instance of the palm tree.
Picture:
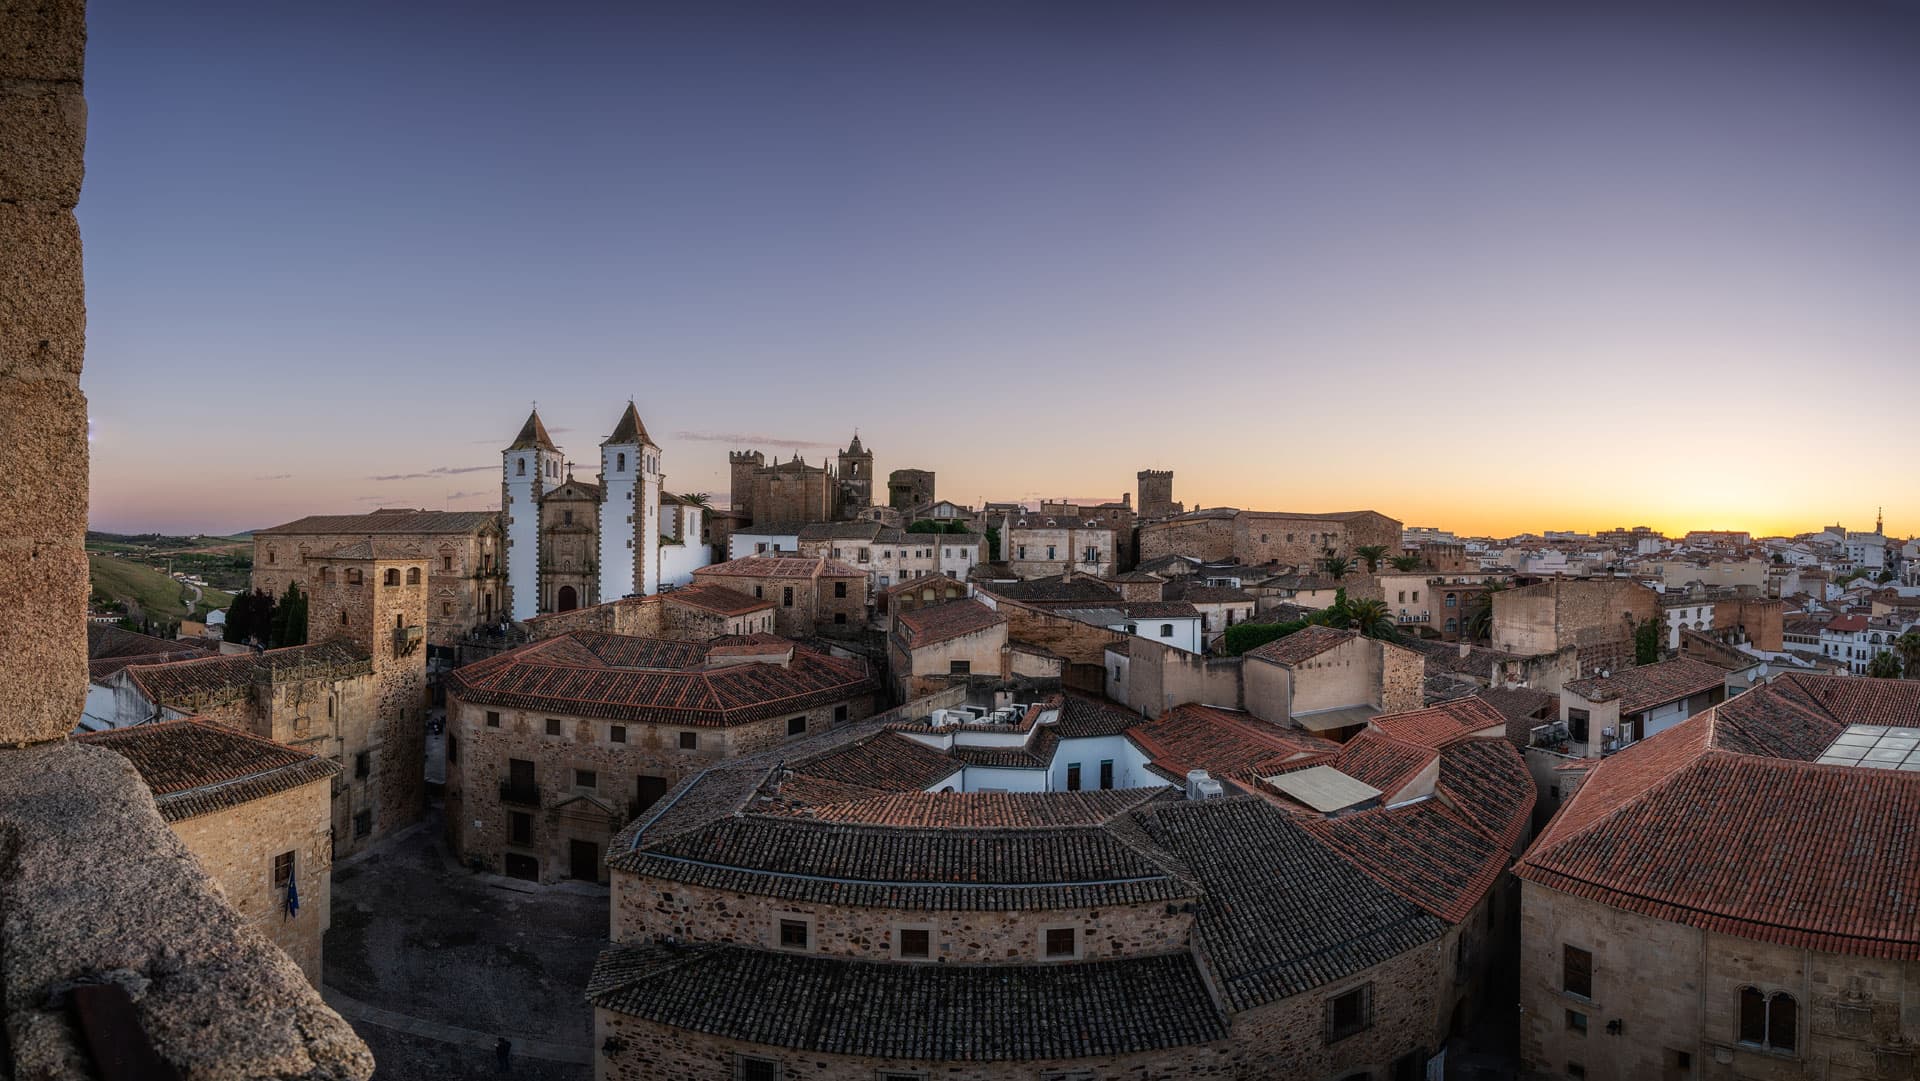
(698, 499)
(1372, 619)
(1372, 554)
(1335, 564)
(1884, 665)
(1480, 616)
(1908, 646)
(1405, 563)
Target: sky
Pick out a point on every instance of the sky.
(1491, 270)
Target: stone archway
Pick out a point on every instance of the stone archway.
(566, 600)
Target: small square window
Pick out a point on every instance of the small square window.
(618, 734)
(1576, 1022)
(363, 824)
(1574, 1069)
(796, 726)
(1350, 1013)
(916, 943)
(839, 713)
(585, 778)
(839, 589)
(282, 870)
(751, 1068)
(1062, 942)
(553, 726)
(689, 741)
(493, 719)
(363, 764)
(793, 934)
(959, 668)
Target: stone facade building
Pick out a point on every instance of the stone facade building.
(254, 813)
(1261, 537)
(466, 577)
(1040, 546)
(1156, 494)
(793, 491)
(1723, 900)
(908, 489)
(932, 647)
(1102, 923)
(1597, 616)
(812, 596)
(553, 746)
(889, 555)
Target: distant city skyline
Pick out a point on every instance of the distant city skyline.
(1457, 270)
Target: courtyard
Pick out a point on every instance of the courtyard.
(432, 963)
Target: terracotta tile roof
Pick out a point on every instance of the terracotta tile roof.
(924, 626)
(893, 1011)
(1159, 610)
(831, 863)
(1424, 853)
(1200, 593)
(1280, 912)
(204, 681)
(1223, 742)
(1437, 726)
(652, 681)
(1847, 624)
(780, 567)
(1085, 718)
(389, 521)
(1042, 592)
(711, 597)
(107, 642)
(1523, 707)
(1386, 763)
(1705, 825)
(986, 810)
(1302, 645)
(195, 768)
(1646, 686)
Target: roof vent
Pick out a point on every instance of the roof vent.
(1201, 787)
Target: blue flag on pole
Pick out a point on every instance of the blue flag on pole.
(293, 895)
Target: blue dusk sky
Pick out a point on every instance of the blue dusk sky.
(1490, 268)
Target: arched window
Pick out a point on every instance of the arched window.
(1452, 600)
(1769, 1020)
(620, 463)
(1166, 630)
(413, 576)
(393, 576)
(1753, 1016)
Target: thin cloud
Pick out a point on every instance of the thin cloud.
(740, 440)
(437, 471)
(451, 496)
(275, 476)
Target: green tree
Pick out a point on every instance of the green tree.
(1646, 642)
(702, 500)
(250, 617)
(1884, 665)
(993, 544)
(289, 620)
(1372, 618)
(1908, 646)
(1371, 555)
(1334, 564)
(1479, 625)
(925, 525)
(1242, 637)
(1404, 563)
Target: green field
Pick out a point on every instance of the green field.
(151, 591)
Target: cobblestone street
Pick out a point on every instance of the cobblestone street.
(432, 963)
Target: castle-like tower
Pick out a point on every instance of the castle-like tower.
(1156, 494)
(528, 468)
(629, 510)
(855, 481)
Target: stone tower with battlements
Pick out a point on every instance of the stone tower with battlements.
(743, 464)
(1156, 494)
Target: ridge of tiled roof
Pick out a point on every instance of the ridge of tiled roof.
(1224, 741)
(1056, 590)
(408, 521)
(984, 810)
(940, 622)
(879, 1010)
(194, 768)
(202, 680)
(1646, 686)
(1302, 645)
(780, 567)
(107, 642)
(885, 761)
(1436, 726)
(713, 597)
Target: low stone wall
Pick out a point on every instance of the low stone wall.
(95, 888)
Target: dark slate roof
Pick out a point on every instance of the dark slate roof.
(942, 1013)
(887, 762)
(108, 642)
(1055, 590)
(656, 681)
(829, 863)
(628, 430)
(195, 768)
(1085, 718)
(1280, 912)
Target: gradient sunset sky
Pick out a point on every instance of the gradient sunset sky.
(1488, 271)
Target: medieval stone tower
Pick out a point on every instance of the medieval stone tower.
(743, 464)
(630, 510)
(856, 481)
(1156, 493)
(570, 543)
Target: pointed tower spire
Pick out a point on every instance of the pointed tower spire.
(854, 447)
(533, 434)
(629, 430)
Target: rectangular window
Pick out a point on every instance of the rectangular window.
(1106, 773)
(839, 714)
(363, 764)
(1575, 1070)
(522, 826)
(959, 668)
(752, 1068)
(493, 719)
(453, 750)
(446, 563)
(1062, 942)
(282, 870)
(793, 934)
(839, 589)
(916, 943)
(786, 596)
(1576, 971)
(1576, 1022)
(1073, 776)
(585, 778)
(1350, 1013)
(796, 726)
(553, 726)
(618, 734)
(689, 741)
(363, 823)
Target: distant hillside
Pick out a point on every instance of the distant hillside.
(150, 591)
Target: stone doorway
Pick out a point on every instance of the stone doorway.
(567, 599)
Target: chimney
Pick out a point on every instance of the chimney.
(1466, 648)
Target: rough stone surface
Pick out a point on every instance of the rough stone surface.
(43, 125)
(42, 39)
(43, 313)
(94, 886)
